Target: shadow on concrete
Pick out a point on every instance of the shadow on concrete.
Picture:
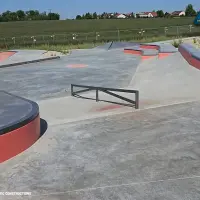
(43, 126)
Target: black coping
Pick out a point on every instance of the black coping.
(15, 112)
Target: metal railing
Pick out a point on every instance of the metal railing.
(131, 103)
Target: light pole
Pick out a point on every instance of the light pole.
(166, 29)
(97, 35)
(142, 32)
(13, 38)
(53, 38)
(191, 27)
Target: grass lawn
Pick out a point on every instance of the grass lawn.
(33, 28)
(66, 48)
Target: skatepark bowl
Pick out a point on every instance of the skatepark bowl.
(67, 131)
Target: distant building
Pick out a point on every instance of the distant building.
(147, 14)
(121, 16)
(178, 13)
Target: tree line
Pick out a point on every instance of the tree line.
(189, 12)
(21, 15)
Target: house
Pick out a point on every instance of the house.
(178, 13)
(120, 16)
(130, 15)
(147, 14)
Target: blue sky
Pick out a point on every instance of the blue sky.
(70, 8)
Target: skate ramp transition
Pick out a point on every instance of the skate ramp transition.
(149, 153)
(191, 54)
(19, 125)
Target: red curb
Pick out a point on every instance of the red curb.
(17, 141)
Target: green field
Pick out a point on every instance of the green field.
(30, 28)
(87, 31)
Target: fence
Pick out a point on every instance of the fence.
(101, 36)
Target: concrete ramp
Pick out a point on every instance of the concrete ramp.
(166, 81)
(117, 45)
(5, 55)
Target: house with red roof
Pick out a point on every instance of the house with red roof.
(147, 15)
(178, 13)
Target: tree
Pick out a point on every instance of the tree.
(190, 11)
(21, 15)
(88, 16)
(78, 17)
(32, 14)
(53, 16)
(167, 15)
(160, 13)
(94, 16)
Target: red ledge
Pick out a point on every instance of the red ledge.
(133, 51)
(138, 52)
(149, 46)
(18, 140)
(189, 58)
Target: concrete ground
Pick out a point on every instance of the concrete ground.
(92, 153)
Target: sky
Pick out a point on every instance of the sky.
(71, 8)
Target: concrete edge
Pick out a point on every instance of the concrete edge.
(29, 62)
(191, 54)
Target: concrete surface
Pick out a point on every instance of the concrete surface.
(151, 154)
(166, 81)
(122, 154)
(53, 78)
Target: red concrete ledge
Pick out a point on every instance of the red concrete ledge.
(19, 125)
(138, 52)
(191, 55)
(149, 46)
(133, 51)
(17, 141)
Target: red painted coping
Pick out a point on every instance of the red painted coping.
(163, 55)
(132, 51)
(149, 46)
(18, 140)
(6, 55)
(148, 57)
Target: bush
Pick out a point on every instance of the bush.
(177, 43)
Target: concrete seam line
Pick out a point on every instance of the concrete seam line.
(115, 113)
(121, 185)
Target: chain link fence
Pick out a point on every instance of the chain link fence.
(101, 36)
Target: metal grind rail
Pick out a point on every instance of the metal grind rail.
(131, 103)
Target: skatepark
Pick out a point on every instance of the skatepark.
(144, 145)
